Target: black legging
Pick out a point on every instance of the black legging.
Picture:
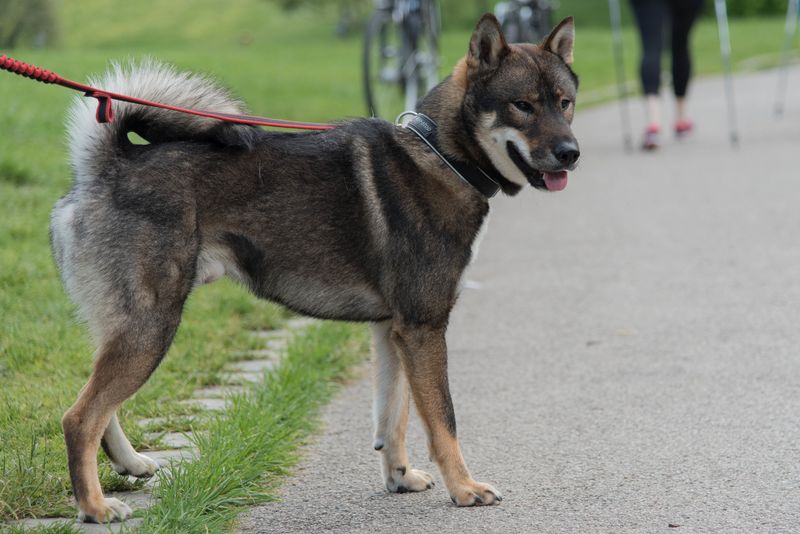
(652, 16)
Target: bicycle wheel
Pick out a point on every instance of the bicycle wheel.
(382, 67)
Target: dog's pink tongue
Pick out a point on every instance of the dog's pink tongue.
(555, 181)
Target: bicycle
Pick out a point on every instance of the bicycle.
(525, 21)
(401, 55)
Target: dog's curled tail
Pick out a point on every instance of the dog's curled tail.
(91, 144)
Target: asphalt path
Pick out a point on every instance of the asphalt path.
(631, 359)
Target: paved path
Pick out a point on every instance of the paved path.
(632, 359)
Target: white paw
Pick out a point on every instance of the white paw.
(110, 510)
(404, 480)
(472, 493)
(137, 465)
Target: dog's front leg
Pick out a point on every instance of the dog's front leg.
(391, 416)
(424, 355)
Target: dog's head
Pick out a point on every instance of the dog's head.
(519, 103)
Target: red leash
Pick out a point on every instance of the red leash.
(105, 112)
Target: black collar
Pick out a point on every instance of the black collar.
(425, 128)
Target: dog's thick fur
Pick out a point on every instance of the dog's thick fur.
(359, 223)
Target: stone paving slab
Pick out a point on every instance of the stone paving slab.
(166, 421)
(218, 391)
(277, 345)
(88, 528)
(243, 378)
(213, 404)
(259, 354)
(298, 323)
(253, 366)
(173, 440)
(137, 500)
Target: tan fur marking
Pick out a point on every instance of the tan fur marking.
(372, 202)
(459, 75)
(117, 375)
(84, 424)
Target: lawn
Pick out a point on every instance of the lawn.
(283, 65)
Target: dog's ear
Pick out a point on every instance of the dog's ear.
(487, 47)
(561, 40)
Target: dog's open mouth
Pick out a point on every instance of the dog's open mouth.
(550, 181)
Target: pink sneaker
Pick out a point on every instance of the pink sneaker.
(651, 137)
(683, 127)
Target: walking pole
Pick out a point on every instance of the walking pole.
(616, 31)
(783, 74)
(725, 49)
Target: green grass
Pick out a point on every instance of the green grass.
(284, 66)
(257, 438)
(47, 362)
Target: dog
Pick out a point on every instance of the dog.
(368, 221)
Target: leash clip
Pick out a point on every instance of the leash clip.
(105, 110)
(399, 120)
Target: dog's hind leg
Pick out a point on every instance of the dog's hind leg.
(123, 363)
(424, 355)
(129, 271)
(390, 412)
(133, 305)
(124, 459)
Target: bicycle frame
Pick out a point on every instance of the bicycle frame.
(405, 63)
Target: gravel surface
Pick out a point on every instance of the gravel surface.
(631, 360)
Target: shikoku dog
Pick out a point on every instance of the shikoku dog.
(364, 222)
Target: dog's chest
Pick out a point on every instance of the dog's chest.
(465, 282)
(478, 239)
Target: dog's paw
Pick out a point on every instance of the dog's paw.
(404, 480)
(474, 493)
(108, 511)
(136, 465)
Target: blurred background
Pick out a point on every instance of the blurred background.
(303, 58)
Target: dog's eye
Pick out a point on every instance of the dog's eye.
(565, 103)
(523, 106)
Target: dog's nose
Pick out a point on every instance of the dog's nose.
(567, 152)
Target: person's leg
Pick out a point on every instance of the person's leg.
(650, 16)
(684, 13)
(653, 109)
